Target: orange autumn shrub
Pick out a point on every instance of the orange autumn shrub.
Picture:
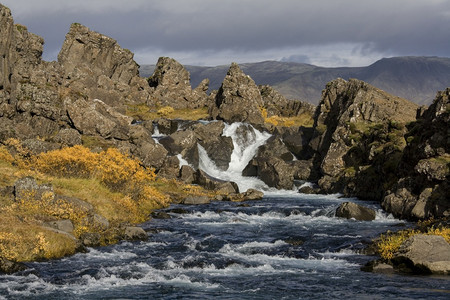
(117, 171)
(76, 161)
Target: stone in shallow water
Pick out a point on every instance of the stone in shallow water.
(135, 233)
(428, 254)
(351, 210)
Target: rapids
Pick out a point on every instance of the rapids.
(286, 246)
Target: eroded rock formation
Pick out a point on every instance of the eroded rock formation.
(238, 99)
(172, 87)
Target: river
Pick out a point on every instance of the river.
(285, 246)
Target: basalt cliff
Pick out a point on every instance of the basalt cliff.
(359, 140)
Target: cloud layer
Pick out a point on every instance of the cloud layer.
(327, 32)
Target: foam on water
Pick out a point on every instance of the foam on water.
(279, 261)
(182, 161)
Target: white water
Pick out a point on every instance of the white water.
(245, 146)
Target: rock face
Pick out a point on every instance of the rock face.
(172, 87)
(95, 65)
(351, 210)
(353, 102)
(99, 54)
(356, 127)
(238, 99)
(424, 254)
(277, 105)
(367, 143)
(423, 188)
(50, 105)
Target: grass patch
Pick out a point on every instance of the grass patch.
(304, 119)
(143, 112)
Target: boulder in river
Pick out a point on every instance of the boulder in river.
(424, 254)
(211, 183)
(135, 233)
(351, 210)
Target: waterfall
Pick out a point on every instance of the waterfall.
(246, 141)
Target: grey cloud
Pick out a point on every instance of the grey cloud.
(400, 27)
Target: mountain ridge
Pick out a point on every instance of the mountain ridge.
(416, 78)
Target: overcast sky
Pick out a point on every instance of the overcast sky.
(210, 32)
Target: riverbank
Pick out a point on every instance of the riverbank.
(57, 203)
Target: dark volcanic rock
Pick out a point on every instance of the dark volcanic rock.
(187, 174)
(276, 173)
(249, 195)
(211, 183)
(351, 210)
(218, 147)
(172, 86)
(238, 99)
(277, 105)
(353, 102)
(9, 267)
(423, 188)
(209, 136)
(96, 65)
(170, 168)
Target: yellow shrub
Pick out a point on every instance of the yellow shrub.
(390, 242)
(263, 112)
(5, 155)
(165, 111)
(117, 171)
(76, 161)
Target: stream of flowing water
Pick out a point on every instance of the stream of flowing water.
(285, 246)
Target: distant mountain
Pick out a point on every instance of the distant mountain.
(415, 78)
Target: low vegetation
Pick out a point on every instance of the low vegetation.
(390, 242)
(116, 185)
(303, 119)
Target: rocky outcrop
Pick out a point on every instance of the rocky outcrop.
(277, 105)
(238, 99)
(273, 165)
(172, 86)
(350, 210)
(424, 169)
(353, 102)
(423, 254)
(357, 125)
(367, 143)
(96, 66)
(53, 104)
(195, 200)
